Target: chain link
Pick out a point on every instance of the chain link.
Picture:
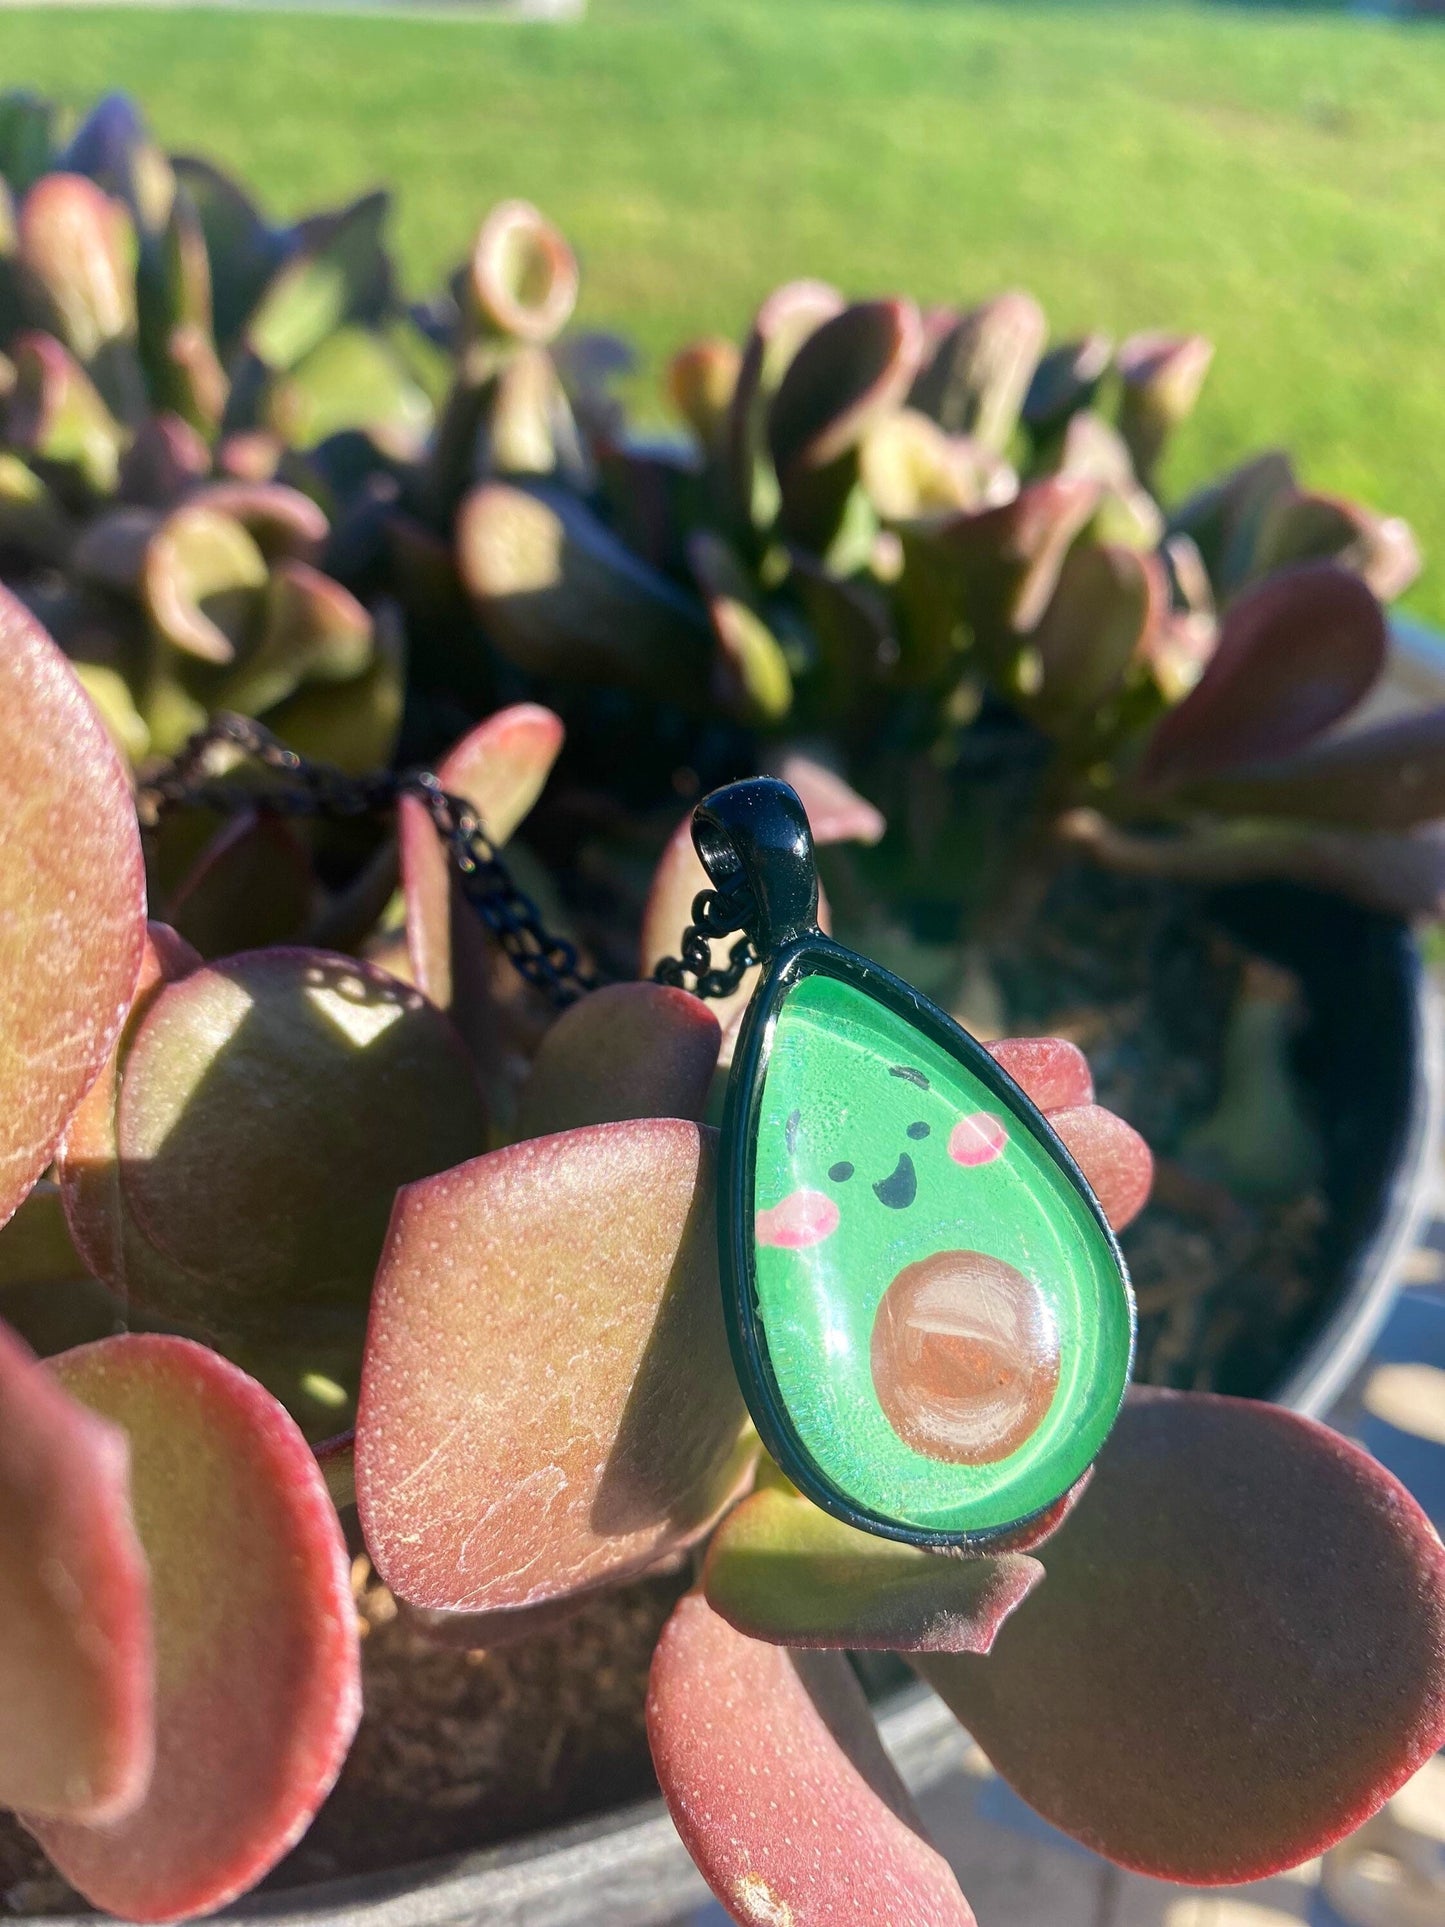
(319, 789)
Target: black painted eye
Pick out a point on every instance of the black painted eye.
(919, 1130)
(840, 1173)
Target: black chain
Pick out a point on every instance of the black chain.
(319, 789)
(713, 916)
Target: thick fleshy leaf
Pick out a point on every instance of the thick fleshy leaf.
(846, 374)
(625, 1051)
(311, 630)
(1066, 380)
(751, 678)
(203, 581)
(782, 324)
(1298, 527)
(36, 1248)
(114, 147)
(910, 467)
(1053, 1072)
(1391, 777)
(1107, 605)
(258, 1676)
(500, 768)
(76, 1671)
(548, 1397)
(1402, 875)
(1113, 1157)
(778, 1783)
(976, 378)
(242, 249)
(269, 1109)
(77, 248)
(353, 725)
(560, 595)
(780, 1569)
(1006, 560)
(72, 899)
(351, 380)
(333, 272)
(1238, 1652)
(522, 276)
(1296, 654)
(281, 521)
(56, 415)
(87, 1164)
(166, 459)
(251, 886)
(1161, 377)
(701, 380)
(1224, 519)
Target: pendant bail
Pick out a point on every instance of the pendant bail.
(754, 842)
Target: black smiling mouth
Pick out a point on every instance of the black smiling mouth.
(900, 1187)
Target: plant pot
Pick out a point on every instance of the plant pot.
(1371, 1053)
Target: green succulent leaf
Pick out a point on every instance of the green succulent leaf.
(335, 270)
(625, 1051)
(978, 368)
(779, 1569)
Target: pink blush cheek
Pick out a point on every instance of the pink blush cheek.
(977, 1139)
(803, 1218)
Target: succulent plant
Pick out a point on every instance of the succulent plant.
(1213, 1658)
(167, 360)
(879, 521)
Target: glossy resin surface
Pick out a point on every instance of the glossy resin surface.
(945, 1318)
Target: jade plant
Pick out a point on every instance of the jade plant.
(167, 359)
(887, 531)
(314, 1246)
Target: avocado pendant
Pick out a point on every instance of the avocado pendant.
(928, 1311)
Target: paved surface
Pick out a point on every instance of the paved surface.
(1019, 1872)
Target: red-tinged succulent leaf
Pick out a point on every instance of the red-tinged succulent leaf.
(1299, 527)
(1402, 875)
(778, 1783)
(76, 247)
(1224, 519)
(751, 678)
(87, 1166)
(203, 582)
(72, 898)
(522, 277)
(281, 521)
(1238, 1652)
(1107, 604)
(500, 768)
(846, 374)
(625, 1051)
(780, 1569)
(1113, 1157)
(1066, 380)
(1043, 1525)
(783, 323)
(1051, 1072)
(547, 1397)
(836, 812)
(1391, 777)
(1161, 376)
(701, 381)
(251, 886)
(560, 595)
(1006, 560)
(980, 368)
(258, 1676)
(76, 1672)
(166, 459)
(911, 468)
(55, 413)
(311, 630)
(270, 1106)
(1296, 654)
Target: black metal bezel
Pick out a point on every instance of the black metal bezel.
(807, 955)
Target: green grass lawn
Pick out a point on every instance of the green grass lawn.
(1272, 177)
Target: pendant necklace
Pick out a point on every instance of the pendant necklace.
(928, 1311)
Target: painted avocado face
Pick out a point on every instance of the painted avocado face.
(945, 1319)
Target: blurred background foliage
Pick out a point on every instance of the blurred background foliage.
(1268, 176)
